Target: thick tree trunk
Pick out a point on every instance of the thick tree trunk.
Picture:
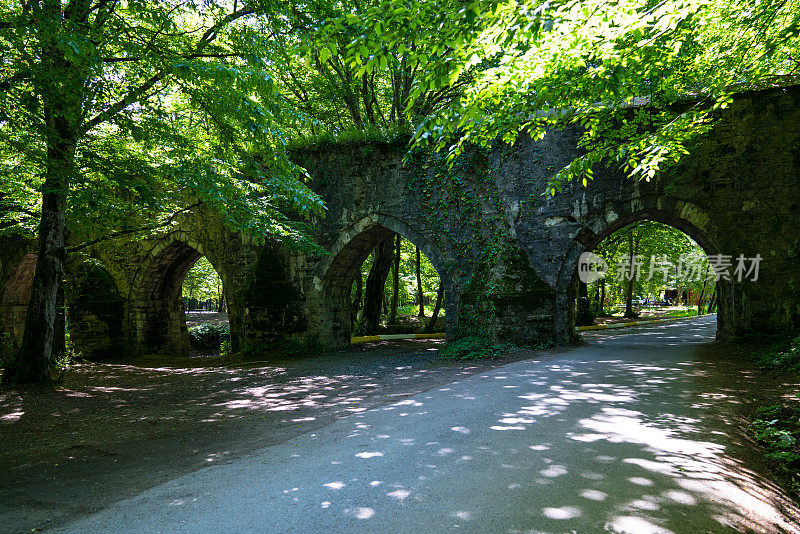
(62, 108)
(700, 299)
(376, 281)
(420, 295)
(395, 283)
(431, 326)
(712, 303)
(39, 340)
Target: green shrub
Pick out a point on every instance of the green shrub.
(782, 355)
(209, 335)
(473, 348)
(539, 346)
(778, 429)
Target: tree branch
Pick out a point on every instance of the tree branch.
(136, 94)
(121, 233)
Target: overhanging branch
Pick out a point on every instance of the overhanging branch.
(121, 233)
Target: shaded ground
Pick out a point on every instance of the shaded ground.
(114, 430)
(638, 431)
(635, 432)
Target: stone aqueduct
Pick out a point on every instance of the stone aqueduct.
(738, 192)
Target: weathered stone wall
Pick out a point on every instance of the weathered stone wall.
(506, 254)
(17, 264)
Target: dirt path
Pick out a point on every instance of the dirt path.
(115, 430)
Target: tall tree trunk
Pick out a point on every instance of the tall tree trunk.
(62, 109)
(355, 302)
(712, 303)
(700, 298)
(221, 305)
(629, 289)
(602, 296)
(420, 295)
(584, 315)
(395, 283)
(431, 326)
(376, 281)
(39, 340)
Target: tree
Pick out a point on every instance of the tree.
(653, 252)
(641, 79)
(418, 273)
(314, 66)
(383, 257)
(144, 105)
(395, 280)
(203, 282)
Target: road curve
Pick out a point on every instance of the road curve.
(636, 432)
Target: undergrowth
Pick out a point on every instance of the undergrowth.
(777, 426)
(473, 348)
(209, 335)
(478, 348)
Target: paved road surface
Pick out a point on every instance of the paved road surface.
(635, 432)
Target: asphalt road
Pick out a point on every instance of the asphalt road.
(637, 431)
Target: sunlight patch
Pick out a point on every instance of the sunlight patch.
(565, 512)
(369, 454)
(361, 512)
(634, 525)
(399, 494)
(594, 495)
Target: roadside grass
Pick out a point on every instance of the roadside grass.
(658, 312)
(687, 312)
(777, 426)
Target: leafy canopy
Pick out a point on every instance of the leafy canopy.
(171, 102)
(641, 78)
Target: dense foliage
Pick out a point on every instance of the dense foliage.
(116, 116)
(641, 78)
(664, 258)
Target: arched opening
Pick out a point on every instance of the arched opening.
(170, 292)
(95, 310)
(383, 281)
(206, 311)
(14, 303)
(649, 266)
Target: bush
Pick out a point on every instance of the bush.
(778, 428)
(473, 348)
(209, 335)
(782, 356)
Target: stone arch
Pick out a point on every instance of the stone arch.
(156, 304)
(685, 217)
(335, 275)
(274, 307)
(96, 309)
(14, 303)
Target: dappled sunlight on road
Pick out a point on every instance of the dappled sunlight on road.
(608, 444)
(628, 434)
